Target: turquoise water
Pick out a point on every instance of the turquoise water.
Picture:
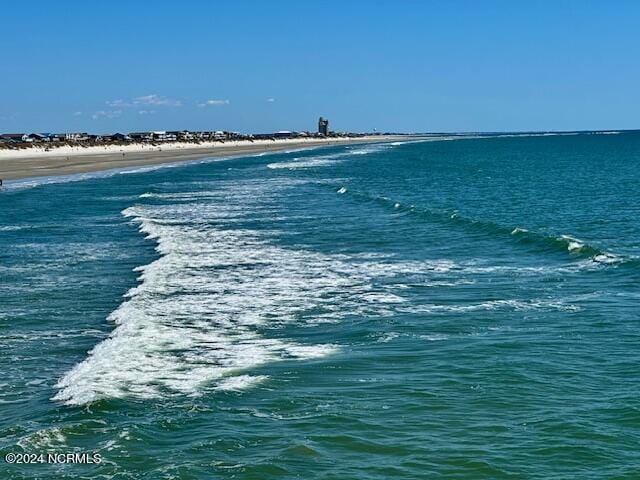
(451, 309)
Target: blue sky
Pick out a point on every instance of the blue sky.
(265, 66)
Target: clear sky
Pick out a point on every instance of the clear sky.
(278, 65)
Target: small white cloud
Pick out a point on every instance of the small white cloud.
(118, 103)
(156, 100)
(146, 112)
(77, 114)
(106, 114)
(209, 103)
(271, 100)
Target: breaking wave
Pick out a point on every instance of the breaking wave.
(194, 318)
(331, 159)
(540, 240)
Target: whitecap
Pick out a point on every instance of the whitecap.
(387, 337)
(240, 382)
(435, 337)
(573, 244)
(45, 439)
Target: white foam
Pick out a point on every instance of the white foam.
(607, 258)
(386, 338)
(305, 162)
(11, 228)
(512, 304)
(435, 337)
(45, 439)
(240, 382)
(573, 244)
(330, 159)
(604, 258)
(196, 318)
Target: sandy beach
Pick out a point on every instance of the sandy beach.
(65, 160)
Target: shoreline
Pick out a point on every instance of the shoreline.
(68, 160)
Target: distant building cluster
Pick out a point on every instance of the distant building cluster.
(87, 138)
(21, 140)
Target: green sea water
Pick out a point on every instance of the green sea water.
(463, 309)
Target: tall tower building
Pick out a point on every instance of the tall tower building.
(323, 126)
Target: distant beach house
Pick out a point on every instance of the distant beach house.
(58, 137)
(262, 136)
(38, 137)
(14, 137)
(121, 137)
(141, 136)
(162, 136)
(116, 137)
(203, 135)
(183, 135)
(284, 134)
(76, 137)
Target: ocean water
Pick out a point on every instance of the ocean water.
(448, 309)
